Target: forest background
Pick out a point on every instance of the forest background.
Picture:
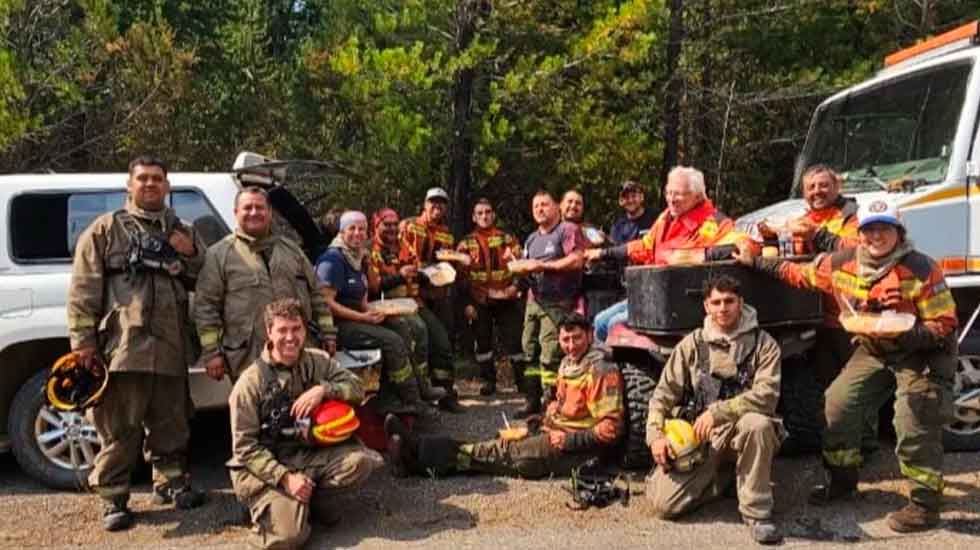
(492, 98)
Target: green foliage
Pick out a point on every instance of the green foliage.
(564, 93)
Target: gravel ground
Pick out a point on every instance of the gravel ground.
(484, 511)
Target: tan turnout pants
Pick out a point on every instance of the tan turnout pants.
(281, 521)
(751, 443)
(146, 408)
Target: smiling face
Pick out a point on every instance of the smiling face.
(544, 210)
(632, 202)
(389, 230)
(821, 189)
(484, 216)
(148, 186)
(879, 238)
(253, 215)
(574, 341)
(680, 197)
(286, 337)
(355, 234)
(724, 308)
(572, 206)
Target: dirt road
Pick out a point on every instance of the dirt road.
(487, 512)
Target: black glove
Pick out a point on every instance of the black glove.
(581, 440)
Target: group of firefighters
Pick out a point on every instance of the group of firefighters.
(270, 321)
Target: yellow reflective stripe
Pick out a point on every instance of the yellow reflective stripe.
(399, 376)
(209, 337)
(810, 274)
(480, 276)
(417, 229)
(737, 405)
(582, 424)
(850, 284)
(79, 322)
(844, 458)
(442, 374)
(936, 306)
(605, 406)
(923, 476)
(548, 378)
(495, 241)
(500, 275)
(336, 423)
(834, 225)
(445, 238)
(325, 322)
(910, 288)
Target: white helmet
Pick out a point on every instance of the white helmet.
(880, 211)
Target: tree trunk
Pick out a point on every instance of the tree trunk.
(672, 99)
(460, 170)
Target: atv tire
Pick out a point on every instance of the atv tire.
(637, 388)
(801, 408)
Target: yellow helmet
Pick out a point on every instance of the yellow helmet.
(72, 387)
(685, 449)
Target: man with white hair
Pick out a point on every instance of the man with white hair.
(690, 222)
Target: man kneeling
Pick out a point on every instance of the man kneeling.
(276, 469)
(724, 378)
(584, 421)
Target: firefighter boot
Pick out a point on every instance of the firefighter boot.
(920, 514)
(450, 403)
(427, 391)
(532, 398)
(430, 455)
(115, 514)
(408, 392)
(488, 372)
(841, 484)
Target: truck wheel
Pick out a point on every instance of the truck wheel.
(637, 388)
(54, 447)
(801, 407)
(963, 434)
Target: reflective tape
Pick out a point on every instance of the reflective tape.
(209, 337)
(923, 476)
(401, 375)
(80, 322)
(844, 458)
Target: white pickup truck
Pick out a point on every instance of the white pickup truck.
(41, 217)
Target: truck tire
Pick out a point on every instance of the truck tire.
(963, 433)
(44, 439)
(801, 407)
(637, 388)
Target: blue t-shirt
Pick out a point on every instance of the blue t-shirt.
(333, 270)
(626, 230)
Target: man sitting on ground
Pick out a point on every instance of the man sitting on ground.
(725, 379)
(584, 421)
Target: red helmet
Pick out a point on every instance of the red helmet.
(333, 422)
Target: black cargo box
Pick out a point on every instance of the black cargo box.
(669, 300)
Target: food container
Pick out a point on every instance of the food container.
(887, 324)
(770, 252)
(366, 364)
(513, 433)
(670, 300)
(394, 306)
(520, 266)
(440, 274)
(448, 255)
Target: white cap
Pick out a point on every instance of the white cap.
(436, 193)
(880, 211)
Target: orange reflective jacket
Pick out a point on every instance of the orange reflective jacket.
(703, 226)
(489, 251)
(837, 226)
(384, 275)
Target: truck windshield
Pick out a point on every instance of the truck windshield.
(901, 128)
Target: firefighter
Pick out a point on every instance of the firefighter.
(723, 378)
(584, 421)
(492, 298)
(342, 270)
(421, 238)
(917, 367)
(242, 273)
(127, 304)
(278, 477)
(555, 290)
(690, 221)
(389, 277)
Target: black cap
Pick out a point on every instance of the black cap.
(629, 186)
